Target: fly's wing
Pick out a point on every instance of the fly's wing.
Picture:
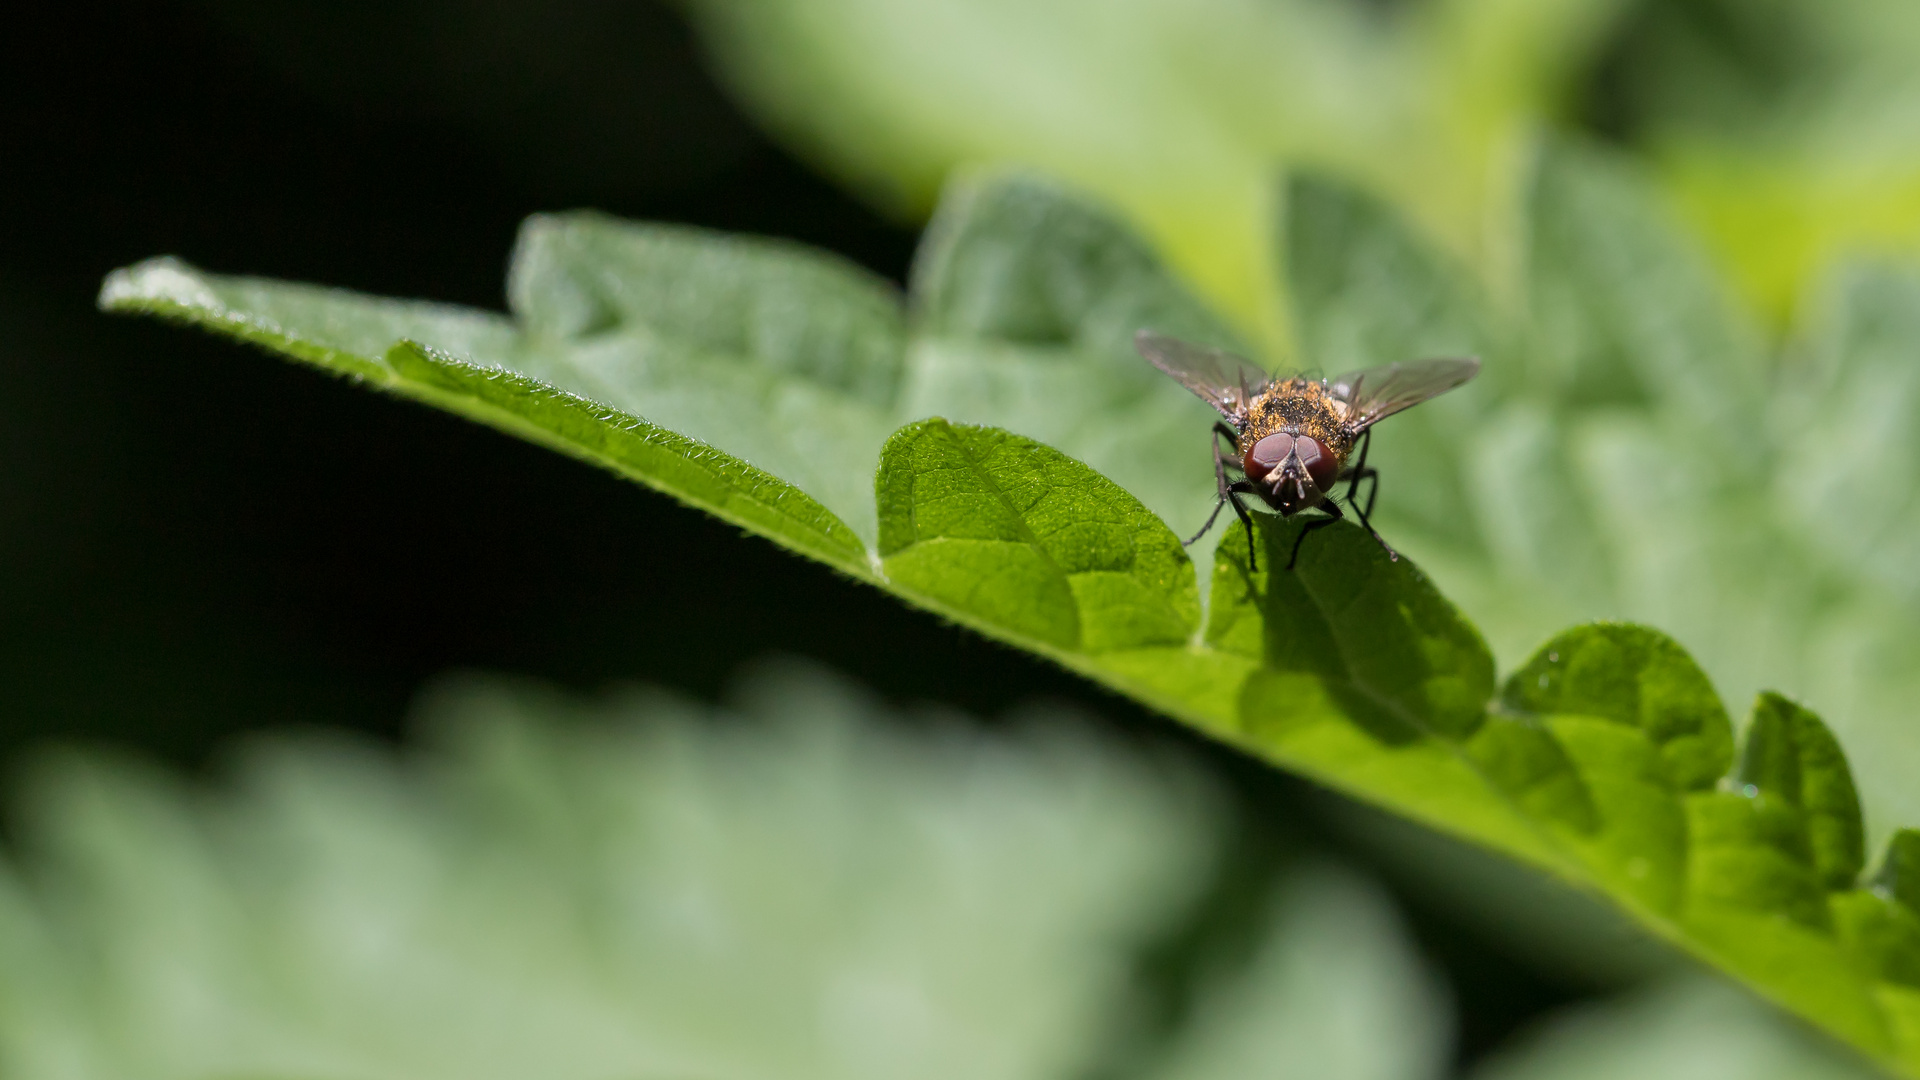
(1221, 379)
(1376, 393)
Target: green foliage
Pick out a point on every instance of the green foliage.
(1791, 756)
(1783, 129)
(981, 521)
(1176, 111)
(796, 885)
(1349, 621)
(1639, 680)
(644, 887)
(1605, 758)
(1687, 1030)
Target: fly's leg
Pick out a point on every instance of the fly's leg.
(1220, 484)
(1373, 492)
(1230, 494)
(1353, 475)
(1188, 542)
(1358, 471)
(1368, 512)
(1234, 491)
(1333, 511)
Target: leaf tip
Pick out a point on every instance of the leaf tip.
(164, 279)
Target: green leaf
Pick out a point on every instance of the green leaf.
(1730, 874)
(1025, 537)
(1884, 933)
(1604, 759)
(1008, 258)
(780, 356)
(1639, 679)
(778, 307)
(1370, 629)
(1899, 874)
(700, 475)
(1791, 756)
(464, 368)
(1882, 924)
(329, 328)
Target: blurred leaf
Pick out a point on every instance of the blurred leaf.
(1599, 764)
(1790, 755)
(1625, 311)
(1177, 112)
(797, 887)
(1861, 389)
(1314, 999)
(1785, 130)
(1686, 1030)
(1899, 876)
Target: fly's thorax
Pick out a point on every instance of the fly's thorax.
(1298, 407)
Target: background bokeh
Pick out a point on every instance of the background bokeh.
(198, 543)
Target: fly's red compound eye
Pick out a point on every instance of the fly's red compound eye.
(1320, 464)
(1266, 455)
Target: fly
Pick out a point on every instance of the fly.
(1292, 437)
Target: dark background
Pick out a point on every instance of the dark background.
(198, 540)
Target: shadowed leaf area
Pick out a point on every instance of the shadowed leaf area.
(990, 448)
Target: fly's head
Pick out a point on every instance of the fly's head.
(1290, 471)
